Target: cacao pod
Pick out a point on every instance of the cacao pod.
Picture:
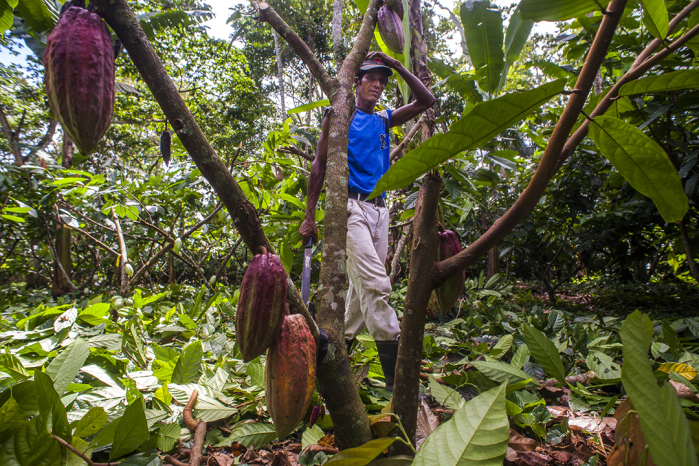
(177, 246)
(397, 7)
(391, 29)
(261, 305)
(129, 270)
(315, 413)
(290, 374)
(449, 292)
(79, 77)
(165, 146)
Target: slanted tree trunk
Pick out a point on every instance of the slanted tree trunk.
(280, 71)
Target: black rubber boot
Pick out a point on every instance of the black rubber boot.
(388, 355)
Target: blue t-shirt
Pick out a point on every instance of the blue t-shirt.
(368, 150)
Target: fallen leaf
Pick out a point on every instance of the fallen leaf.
(327, 441)
(684, 392)
(519, 442)
(223, 459)
(591, 424)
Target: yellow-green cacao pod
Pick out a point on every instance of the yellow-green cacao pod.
(129, 270)
(261, 305)
(391, 29)
(449, 292)
(290, 374)
(79, 76)
(177, 247)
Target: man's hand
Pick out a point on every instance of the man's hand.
(388, 61)
(309, 228)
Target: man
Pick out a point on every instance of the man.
(368, 154)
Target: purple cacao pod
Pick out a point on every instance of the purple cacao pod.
(449, 292)
(315, 413)
(290, 374)
(397, 7)
(261, 305)
(79, 77)
(391, 29)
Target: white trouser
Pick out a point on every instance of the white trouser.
(369, 286)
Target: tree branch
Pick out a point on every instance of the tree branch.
(356, 56)
(48, 137)
(296, 151)
(81, 455)
(408, 137)
(270, 16)
(198, 429)
(11, 138)
(526, 202)
(94, 240)
(123, 257)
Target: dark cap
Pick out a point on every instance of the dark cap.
(372, 64)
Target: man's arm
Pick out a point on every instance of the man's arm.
(315, 184)
(423, 97)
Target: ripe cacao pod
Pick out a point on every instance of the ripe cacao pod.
(261, 305)
(391, 29)
(397, 7)
(290, 374)
(449, 292)
(79, 77)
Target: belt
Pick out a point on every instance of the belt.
(377, 201)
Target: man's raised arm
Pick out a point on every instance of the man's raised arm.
(315, 185)
(423, 97)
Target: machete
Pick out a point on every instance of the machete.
(306, 274)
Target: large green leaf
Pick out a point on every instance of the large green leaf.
(558, 10)
(643, 163)
(545, 352)
(673, 81)
(466, 88)
(11, 417)
(483, 32)
(517, 34)
(167, 436)
(500, 372)
(446, 396)
(253, 434)
(6, 16)
(661, 417)
(188, 366)
(39, 14)
(310, 106)
(51, 408)
(67, 364)
(90, 423)
(655, 17)
(131, 431)
(362, 455)
(154, 22)
(10, 364)
(485, 121)
(478, 433)
(32, 445)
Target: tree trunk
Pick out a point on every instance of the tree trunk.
(280, 71)
(60, 284)
(423, 254)
(338, 46)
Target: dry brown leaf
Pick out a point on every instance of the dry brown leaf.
(327, 441)
(222, 459)
(520, 443)
(628, 435)
(533, 458)
(591, 424)
(684, 391)
(427, 422)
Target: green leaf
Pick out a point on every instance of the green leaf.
(167, 436)
(545, 352)
(478, 433)
(95, 314)
(673, 81)
(485, 121)
(90, 423)
(360, 456)
(207, 408)
(82, 446)
(446, 396)
(670, 338)
(254, 434)
(257, 372)
(643, 163)
(39, 14)
(131, 431)
(501, 347)
(483, 33)
(520, 357)
(67, 364)
(558, 10)
(310, 106)
(11, 417)
(517, 34)
(662, 420)
(154, 22)
(188, 366)
(10, 364)
(500, 372)
(51, 408)
(311, 436)
(32, 445)
(6, 15)
(655, 17)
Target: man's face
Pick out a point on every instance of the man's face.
(371, 86)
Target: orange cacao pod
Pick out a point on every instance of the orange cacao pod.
(449, 292)
(79, 77)
(290, 374)
(261, 305)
